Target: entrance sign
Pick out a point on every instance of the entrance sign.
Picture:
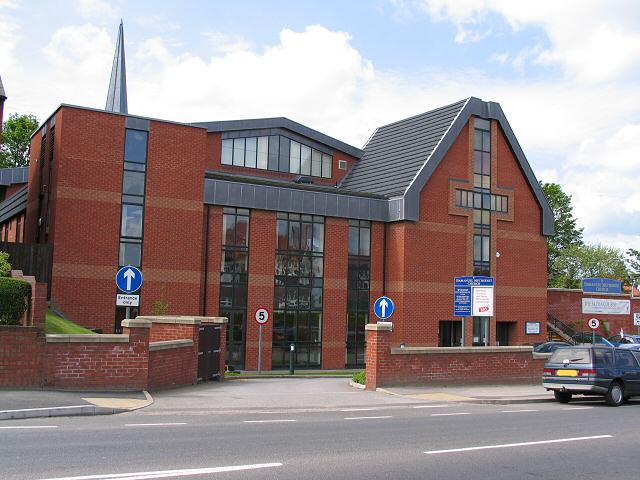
(636, 319)
(473, 296)
(262, 316)
(129, 279)
(384, 308)
(594, 323)
(601, 285)
(127, 300)
(606, 306)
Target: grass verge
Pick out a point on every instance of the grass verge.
(56, 324)
(360, 377)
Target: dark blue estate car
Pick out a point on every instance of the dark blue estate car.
(593, 370)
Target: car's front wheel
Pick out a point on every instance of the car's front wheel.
(562, 397)
(615, 394)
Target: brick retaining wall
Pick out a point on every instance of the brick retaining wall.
(388, 366)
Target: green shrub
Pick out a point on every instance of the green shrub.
(360, 377)
(5, 266)
(161, 306)
(15, 296)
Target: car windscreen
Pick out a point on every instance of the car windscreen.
(573, 355)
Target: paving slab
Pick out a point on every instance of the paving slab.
(497, 394)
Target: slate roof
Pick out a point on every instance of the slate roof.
(13, 205)
(397, 152)
(2, 93)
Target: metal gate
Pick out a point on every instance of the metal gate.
(209, 352)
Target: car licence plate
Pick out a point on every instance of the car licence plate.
(567, 373)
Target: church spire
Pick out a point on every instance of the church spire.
(117, 94)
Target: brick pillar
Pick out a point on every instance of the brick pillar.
(223, 346)
(139, 332)
(334, 318)
(378, 353)
(39, 304)
(468, 331)
(262, 265)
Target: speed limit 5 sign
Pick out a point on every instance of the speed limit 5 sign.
(262, 316)
(594, 323)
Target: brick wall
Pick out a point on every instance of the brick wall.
(130, 361)
(471, 365)
(566, 305)
(21, 355)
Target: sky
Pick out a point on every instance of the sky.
(567, 74)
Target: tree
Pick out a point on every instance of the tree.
(633, 262)
(16, 138)
(586, 261)
(567, 233)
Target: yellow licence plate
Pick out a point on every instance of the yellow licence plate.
(567, 373)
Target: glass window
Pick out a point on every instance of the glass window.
(135, 147)
(131, 221)
(130, 254)
(353, 240)
(285, 152)
(274, 152)
(294, 162)
(316, 163)
(327, 160)
(251, 149)
(227, 151)
(133, 183)
(305, 161)
(238, 152)
(263, 144)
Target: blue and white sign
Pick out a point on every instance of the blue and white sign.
(473, 296)
(383, 308)
(601, 285)
(129, 279)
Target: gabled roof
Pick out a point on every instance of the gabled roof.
(117, 93)
(395, 153)
(400, 157)
(13, 205)
(2, 93)
(279, 123)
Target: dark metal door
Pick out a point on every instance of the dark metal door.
(209, 352)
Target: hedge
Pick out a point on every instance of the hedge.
(15, 297)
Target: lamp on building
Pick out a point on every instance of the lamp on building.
(402, 345)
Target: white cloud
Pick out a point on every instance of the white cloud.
(97, 10)
(593, 41)
(227, 43)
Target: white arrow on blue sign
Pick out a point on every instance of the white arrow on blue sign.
(129, 279)
(383, 308)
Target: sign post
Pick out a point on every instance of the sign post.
(473, 297)
(128, 279)
(636, 321)
(262, 317)
(594, 323)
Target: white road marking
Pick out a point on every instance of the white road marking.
(430, 406)
(367, 418)
(169, 473)
(449, 414)
(269, 421)
(358, 409)
(29, 427)
(153, 424)
(577, 408)
(522, 444)
(519, 411)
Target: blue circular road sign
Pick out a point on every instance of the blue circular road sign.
(383, 308)
(129, 279)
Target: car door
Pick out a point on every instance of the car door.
(629, 370)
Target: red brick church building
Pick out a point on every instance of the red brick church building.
(225, 217)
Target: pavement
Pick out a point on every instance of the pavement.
(17, 404)
(251, 394)
(479, 394)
